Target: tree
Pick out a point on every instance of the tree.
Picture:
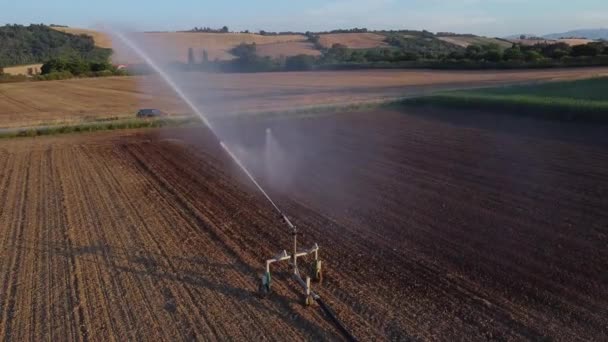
(556, 51)
(357, 56)
(456, 55)
(225, 29)
(338, 52)
(473, 52)
(53, 65)
(532, 56)
(493, 55)
(78, 66)
(513, 53)
(590, 50)
(101, 66)
(245, 51)
(300, 63)
(190, 56)
(522, 37)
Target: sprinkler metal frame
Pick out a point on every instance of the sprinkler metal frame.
(309, 295)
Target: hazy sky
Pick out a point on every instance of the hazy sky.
(488, 17)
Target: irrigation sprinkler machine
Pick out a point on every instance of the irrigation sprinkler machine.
(265, 285)
(317, 275)
(292, 259)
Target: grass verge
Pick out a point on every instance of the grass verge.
(97, 126)
(584, 100)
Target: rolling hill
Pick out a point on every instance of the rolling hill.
(594, 34)
(217, 45)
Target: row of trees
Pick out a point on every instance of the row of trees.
(557, 51)
(224, 29)
(76, 66)
(339, 53)
(340, 56)
(60, 68)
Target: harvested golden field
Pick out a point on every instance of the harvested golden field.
(575, 41)
(353, 40)
(276, 50)
(176, 44)
(41, 103)
(571, 42)
(31, 69)
(465, 41)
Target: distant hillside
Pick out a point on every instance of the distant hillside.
(584, 33)
(20, 45)
(216, 45)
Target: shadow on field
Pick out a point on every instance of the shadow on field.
(517, 124)
(196, 272)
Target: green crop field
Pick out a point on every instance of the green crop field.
(581, 99)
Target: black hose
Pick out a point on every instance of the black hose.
(335, 319)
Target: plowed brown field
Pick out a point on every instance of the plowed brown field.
(461, 226)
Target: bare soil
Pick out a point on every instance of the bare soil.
(433, 225)
(286, 49)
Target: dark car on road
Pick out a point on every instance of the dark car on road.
(150, 113)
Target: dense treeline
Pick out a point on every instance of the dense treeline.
(340, 57)
(224, 29)
(423, 43)
(58, 68)
(533, 53)
(21, 45)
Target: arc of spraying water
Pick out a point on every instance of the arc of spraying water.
(167, 79)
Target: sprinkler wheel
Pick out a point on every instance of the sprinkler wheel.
(264, 288)
(317, 271)
(308, 300)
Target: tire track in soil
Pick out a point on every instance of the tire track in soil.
(71, 295)
(101, 316)
(117, 195)
(172, 222)
(17, 221)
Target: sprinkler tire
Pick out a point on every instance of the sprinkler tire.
(308, 301)
(317, 272)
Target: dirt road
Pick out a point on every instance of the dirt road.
(433, 227)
